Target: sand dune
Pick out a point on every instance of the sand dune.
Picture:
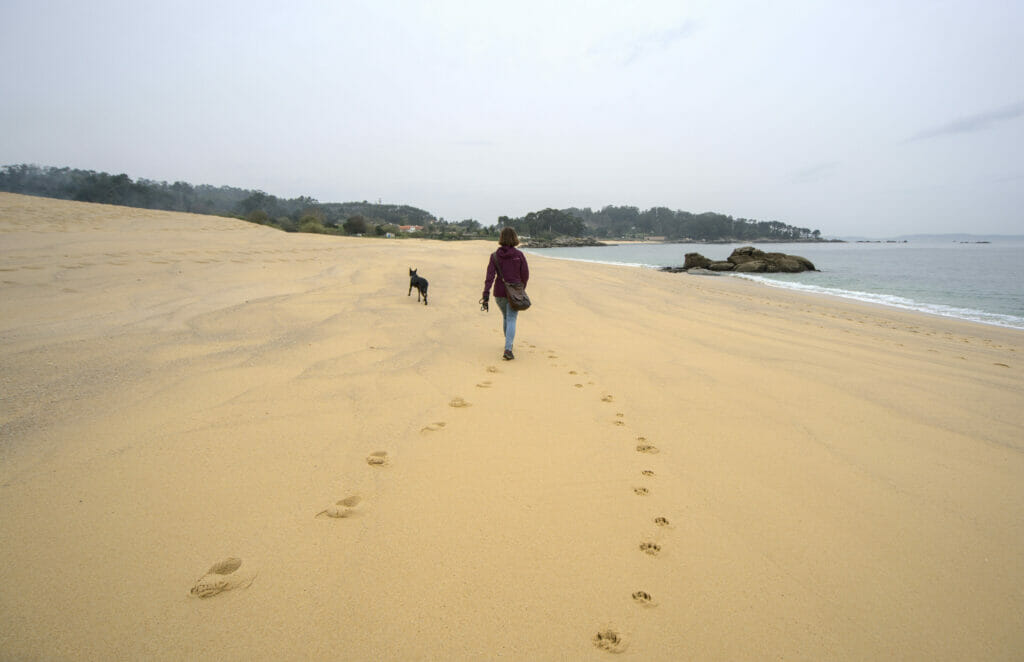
(220, 441)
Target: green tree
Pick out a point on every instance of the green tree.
(310, 223)
(548, 223)
(258, 216)
(355, 225)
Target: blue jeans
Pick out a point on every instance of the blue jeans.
(508, 321)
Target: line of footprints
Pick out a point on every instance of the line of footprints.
(609, 638)
(231, 573)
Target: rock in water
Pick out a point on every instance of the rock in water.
(748, 259)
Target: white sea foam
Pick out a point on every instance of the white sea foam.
(580, 259)
(894, 301)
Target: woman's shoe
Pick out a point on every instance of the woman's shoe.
(508, 355)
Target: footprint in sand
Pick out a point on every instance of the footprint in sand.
(578, 385)
(458, 403)
(221, 577)
(644, 598)
(377, 458)
(609, 640)
(607, 398)
(647, 472)
(573, 372)
(641, 491)
(650, 548)
(484, 384)
(661, 521)
(492, 368)
(343, 508)
(618, 422)
(433, 427)
(644, 447)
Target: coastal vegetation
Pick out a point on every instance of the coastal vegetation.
(301, 214)
(673, 225)
(306, 214)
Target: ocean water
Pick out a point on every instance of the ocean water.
(977, 282)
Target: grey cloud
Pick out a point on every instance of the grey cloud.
(972, 123)
(634, 47)
(815, 172)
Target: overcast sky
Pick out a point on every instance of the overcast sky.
(869, 118)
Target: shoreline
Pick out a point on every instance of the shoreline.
(987, 318)
(689, 468)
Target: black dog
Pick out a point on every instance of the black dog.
(420, 284)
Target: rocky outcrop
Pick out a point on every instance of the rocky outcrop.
(721, 266)
(749, 260)
(695, 261)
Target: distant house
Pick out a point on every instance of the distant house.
(410, 228)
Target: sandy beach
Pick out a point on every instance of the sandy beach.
(221, 441)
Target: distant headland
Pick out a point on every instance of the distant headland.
(547, 227)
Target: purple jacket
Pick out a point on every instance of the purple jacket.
(513, 268)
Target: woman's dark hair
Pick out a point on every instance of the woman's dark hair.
(508, 237)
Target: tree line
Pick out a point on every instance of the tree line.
(620, 222)
(625, 221)
(289, 214)
(305, 214)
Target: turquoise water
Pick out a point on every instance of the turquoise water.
(976, 282)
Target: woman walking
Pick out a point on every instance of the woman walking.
(512, 263)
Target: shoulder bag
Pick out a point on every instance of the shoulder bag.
(516, 292)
